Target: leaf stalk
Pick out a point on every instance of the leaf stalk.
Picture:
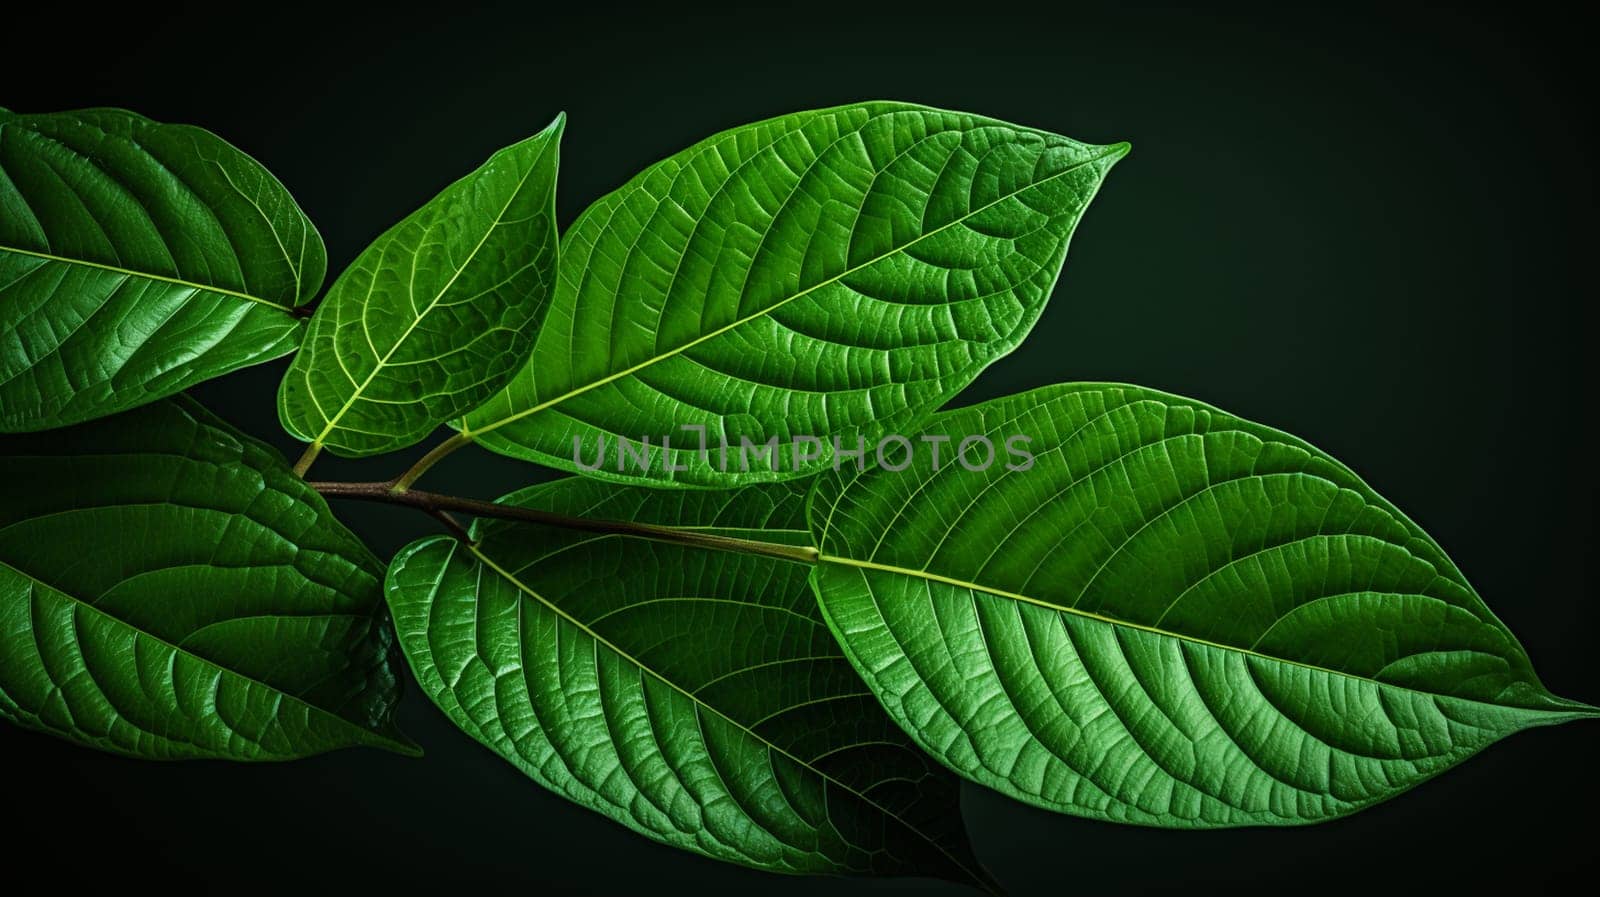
(434, 456)
(306, 459)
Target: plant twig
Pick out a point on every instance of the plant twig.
(434, 504)
(453, 525)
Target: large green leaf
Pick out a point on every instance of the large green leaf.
(1172, 617)
(168, 589)
(137, 259)
(692, 695)
(833, 273)
(437, 314)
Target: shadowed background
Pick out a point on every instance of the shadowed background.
(1368, 228)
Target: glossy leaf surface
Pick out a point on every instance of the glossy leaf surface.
(137, 259)
(831, 273)
(692, 695)
(168, 589)
(436, 314)
(1172, 617)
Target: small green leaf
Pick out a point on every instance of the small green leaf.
(1172, 617)
(168, 589)
(437, 314)
(832, 273)
(137, 259)
(693, 695)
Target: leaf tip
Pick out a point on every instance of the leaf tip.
(1580, 710)
(404, 746)
(1554, 709)
(989, 885)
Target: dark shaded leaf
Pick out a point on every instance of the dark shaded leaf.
(168, 589)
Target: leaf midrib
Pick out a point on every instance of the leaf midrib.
(129, 272)
(699, 702)
(365, 735)
(1114, 150)
(1581, 710)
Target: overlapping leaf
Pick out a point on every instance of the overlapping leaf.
(1172, 617)
(434, 316)
(137, 259)
(692, 695)
(168, 589)
(827, 274)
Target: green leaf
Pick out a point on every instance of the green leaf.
(832, 273)
(168, 589)
(1173, 617)
(437, 314)
(692, 695)
(136, 260)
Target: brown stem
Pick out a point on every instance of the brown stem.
(435, 504)
(453, 525)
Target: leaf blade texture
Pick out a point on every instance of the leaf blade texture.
(692, 695)
(830, 273)
(1174, 617)
(170, 590)
(137, 259)
(436, 314)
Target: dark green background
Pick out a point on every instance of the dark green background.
(1368, 228)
